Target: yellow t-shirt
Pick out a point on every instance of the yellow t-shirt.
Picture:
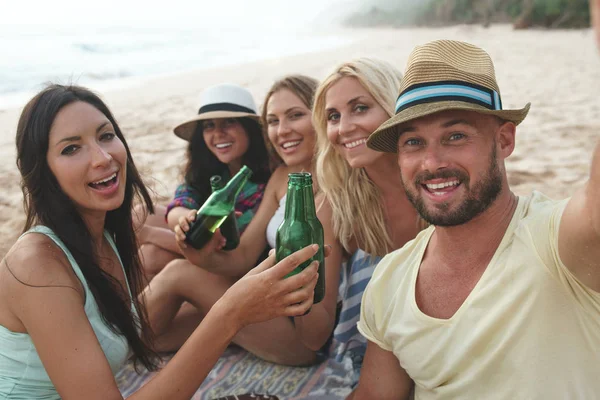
(528, 330)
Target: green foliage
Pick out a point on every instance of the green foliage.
(548, 12)
(544, 13)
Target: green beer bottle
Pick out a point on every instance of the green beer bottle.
(229, 227)
(318, 235)
(301, 228)
(216, 209)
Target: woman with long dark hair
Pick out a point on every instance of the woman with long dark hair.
(224, 135)
(70, 305)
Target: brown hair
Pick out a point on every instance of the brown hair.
(302, 86)
(46, 204)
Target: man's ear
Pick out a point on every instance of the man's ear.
(505, 137)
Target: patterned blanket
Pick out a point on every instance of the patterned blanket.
(239, 372)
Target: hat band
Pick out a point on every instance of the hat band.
(432, 92)
(225, 107)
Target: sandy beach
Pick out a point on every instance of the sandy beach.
(557, 71)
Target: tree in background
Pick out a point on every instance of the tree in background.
(522, 13)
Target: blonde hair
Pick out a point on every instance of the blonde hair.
(355, 200)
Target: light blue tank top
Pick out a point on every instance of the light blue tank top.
(22, 375)
(275, 221)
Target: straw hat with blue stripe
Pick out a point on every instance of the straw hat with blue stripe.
(444, 75)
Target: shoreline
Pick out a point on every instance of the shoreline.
(558, 71)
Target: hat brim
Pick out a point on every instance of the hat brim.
(385, 138)
(186, 130)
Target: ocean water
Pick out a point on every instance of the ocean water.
(109, 57)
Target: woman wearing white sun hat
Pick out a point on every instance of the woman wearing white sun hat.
(224, 135)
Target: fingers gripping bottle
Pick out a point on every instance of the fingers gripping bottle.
(301, 227)
(216, 209)
(229, 227)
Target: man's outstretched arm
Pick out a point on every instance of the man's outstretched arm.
(579, 232)
(381, 377)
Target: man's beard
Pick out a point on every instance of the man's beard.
(479, 198)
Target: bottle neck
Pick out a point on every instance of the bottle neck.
(216, 183)
(309, 198)
(226, 196)
(295, 201)
(235, 184)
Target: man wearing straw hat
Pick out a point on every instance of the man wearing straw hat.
(500, 297)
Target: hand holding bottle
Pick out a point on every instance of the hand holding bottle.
(264, 293)
(195, 256)
(183, 226)
(301, 226)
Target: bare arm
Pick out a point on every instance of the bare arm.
(55, 319)
(252, 243)
(160, 237)
(315, 328)
(175, 215)
(47, 301)
(153, 229)
(382, 377)
(579, 231)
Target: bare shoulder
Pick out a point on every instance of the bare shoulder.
(36, 261)
(280, 174)
(278, 181)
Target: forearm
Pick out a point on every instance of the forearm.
(593, 190)
(163, 238)
(174, 215)
(186, 371)
(595, 11)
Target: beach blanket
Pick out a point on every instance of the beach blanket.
(239, 372)
(333, 378)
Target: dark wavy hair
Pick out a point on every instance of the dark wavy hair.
(46, 204)
(202, 163)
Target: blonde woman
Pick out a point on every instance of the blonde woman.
(370, 212)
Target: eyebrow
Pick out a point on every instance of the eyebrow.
(354, 100)
(447, 124)
(351, 101)
(286, 111)
(74, 138)
(406, 130)
(456, 122)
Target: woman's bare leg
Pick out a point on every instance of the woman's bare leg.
(156, 241)
(180, 281)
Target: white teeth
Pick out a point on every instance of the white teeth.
(106, 180)
(436, 186)
(358, 142)
(287, 145)
(223, 145)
